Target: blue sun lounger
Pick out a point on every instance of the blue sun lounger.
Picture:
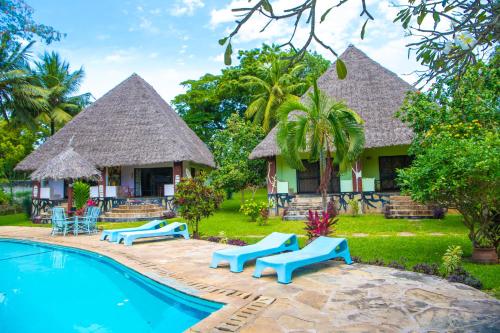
(321, 249)
(172, 229)
(112, 235)
(272, 244)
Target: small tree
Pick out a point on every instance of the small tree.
(457, 150)
(196, 199)
(231, 147)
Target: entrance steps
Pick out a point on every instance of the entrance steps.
(129, 213)
(401, 206)
(300, 206)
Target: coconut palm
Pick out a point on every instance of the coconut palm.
(19, 99)
(272, 85)
(53, 74)
(322, 127)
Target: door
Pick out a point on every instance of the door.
(308, 180)
(388, 166)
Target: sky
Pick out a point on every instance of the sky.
(170, 41)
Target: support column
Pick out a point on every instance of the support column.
(102, 183)
(271, 175)
(70, 196)
(35, 195)
(357, 177)
(177, 172)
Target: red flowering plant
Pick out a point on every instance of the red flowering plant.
(321, 225)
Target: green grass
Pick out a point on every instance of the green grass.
(380, 241)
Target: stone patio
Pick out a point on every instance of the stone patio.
(328, 297)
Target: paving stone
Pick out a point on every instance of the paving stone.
(312, 298)
(294, 323)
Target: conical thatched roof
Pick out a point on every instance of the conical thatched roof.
(371, 90)
(66, 165)
(130, 125)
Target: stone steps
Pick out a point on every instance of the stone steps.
(299, 208)
(403, 207)
(127, 213)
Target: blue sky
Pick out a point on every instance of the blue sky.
(168, 41)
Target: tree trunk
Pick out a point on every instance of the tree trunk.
(322, 185)
(52, 128)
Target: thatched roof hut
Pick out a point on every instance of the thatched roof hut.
(66, 165)
(129, 125)
(371, 90)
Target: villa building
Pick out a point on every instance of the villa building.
(376, 94)
(138, 142)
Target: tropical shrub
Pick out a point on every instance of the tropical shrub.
(354, 205)
(237, 242)
(252, 208)
(4, 199)
(196, 199)
(81, 194)
(430, 269)
(317, 225)
(263, 217)
(460, 275)
(457, 149)
(452, 259)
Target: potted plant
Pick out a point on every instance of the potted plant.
(81, 194)
(485, 251)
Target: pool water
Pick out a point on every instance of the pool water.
(45, 288)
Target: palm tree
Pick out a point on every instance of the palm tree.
(273, 84)
(53, 74)
(19, 99)
(322, 127)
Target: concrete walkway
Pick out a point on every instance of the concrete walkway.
(329, 297)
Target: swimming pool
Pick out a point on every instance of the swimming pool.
(45, 288)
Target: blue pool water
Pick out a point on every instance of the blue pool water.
(44, 288)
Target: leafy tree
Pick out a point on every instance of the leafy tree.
(196, 199)
(457, 149)
(53, 74)
(16, 21)
(322, 127)
(19, 98)
(231, 148)
(210, 100)
(16, 143)
(462, 30)
(81, 194)
(272, 85)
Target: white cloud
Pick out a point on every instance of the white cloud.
(186, 7)
(153, 55)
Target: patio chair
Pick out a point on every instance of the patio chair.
(60, 223)
(274, 243)
(112, 235)
(88, 222)
(321, 249)
(175, 229)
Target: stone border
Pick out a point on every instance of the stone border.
(240, 307)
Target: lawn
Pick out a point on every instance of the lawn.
(370, 236)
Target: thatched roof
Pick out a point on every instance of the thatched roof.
(129, 125)
(67, 165)
(371, 90)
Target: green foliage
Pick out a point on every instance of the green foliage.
(457, 149)
(81, 193)
(53, 75)
(231, 148)
(26, 204)
(452, 259)
(210, 100)
(322, 127)
(271, 86)
(19, 98)
(4, 198)
(16, 143)
(354, 205)
(252, 208)
(16, 21)
(196, 200)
